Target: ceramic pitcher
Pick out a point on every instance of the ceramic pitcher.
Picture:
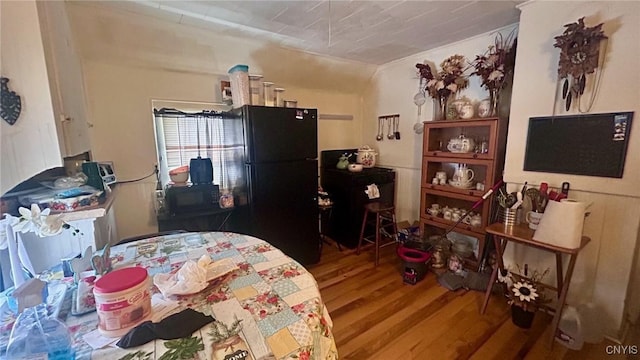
(463, 174)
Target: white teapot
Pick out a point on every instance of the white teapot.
(461, 144)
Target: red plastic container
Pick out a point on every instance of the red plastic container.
(122, 300)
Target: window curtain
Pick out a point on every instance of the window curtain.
(182, 136)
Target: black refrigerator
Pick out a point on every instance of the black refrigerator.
(281, 169)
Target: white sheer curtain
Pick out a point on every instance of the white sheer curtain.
(218, 136)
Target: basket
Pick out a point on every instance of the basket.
(415, 264)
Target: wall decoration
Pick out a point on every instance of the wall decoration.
(495, 68)
(446, 82)
(10, 104)
(579, 54)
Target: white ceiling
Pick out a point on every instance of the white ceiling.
(373, 32)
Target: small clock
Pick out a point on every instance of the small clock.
(10, 104)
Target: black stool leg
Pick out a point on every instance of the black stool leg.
(395, 226)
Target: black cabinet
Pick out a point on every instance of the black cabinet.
(347, 191)
(209, 220)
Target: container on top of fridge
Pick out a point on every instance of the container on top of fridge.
(240, 89)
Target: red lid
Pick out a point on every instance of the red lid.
(121, 279)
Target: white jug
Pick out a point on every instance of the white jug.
(463, 174)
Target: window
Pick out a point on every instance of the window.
(182, 136)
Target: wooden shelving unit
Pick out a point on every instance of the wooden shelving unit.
(487, 168)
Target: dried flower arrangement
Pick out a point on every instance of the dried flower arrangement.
(494, 66)
(449, 80)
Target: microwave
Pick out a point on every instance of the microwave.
(99, 174)
(192, 198)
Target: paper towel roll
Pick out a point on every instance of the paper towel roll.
(561, 224)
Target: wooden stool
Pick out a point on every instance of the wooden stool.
(385, 217)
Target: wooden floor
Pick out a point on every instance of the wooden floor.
(376, 316)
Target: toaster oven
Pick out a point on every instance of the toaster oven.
(99, 174)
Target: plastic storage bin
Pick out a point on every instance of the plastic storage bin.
(123, 300)
(267, 92)
(255, 83)
(279, 97)
(240, 89)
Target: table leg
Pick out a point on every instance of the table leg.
(224, 222)
(563, 297)
(500, 245)
(559, 270)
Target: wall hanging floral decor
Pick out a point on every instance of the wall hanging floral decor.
(446, 82)
(579, 54)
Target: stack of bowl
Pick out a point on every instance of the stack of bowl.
(179, 175)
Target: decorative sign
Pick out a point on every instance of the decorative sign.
(10, 104)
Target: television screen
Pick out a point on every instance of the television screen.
(582, 144)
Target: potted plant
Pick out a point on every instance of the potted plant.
(525, 295)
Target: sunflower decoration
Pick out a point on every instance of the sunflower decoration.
(579, 53)
(524, 294)
(525, 290)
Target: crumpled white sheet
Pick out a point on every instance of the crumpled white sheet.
(372, 191)
(193, 276)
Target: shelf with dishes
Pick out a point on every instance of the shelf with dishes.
(469, 177)
(461, 160)
(446, 208)
(472, 139)
(467, 244)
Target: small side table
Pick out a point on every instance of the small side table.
(326, 211)
(214, 219)
(521, 234)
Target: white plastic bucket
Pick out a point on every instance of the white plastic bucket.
(570, 332)
(122, 300)
(591, 323)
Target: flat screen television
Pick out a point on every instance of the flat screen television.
(582, 144)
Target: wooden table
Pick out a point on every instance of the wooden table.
(521, 234)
